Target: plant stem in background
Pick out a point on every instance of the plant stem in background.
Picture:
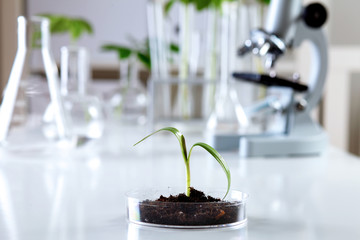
(211, 66)
(185, 28)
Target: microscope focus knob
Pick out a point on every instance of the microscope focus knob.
(315, 15)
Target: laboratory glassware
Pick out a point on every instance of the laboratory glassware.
(33, 84)
(128, 102)
(86, 115)
(228, 115)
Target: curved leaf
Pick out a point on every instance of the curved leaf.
(144, 59)
(217, 3)
(186, 2)
(267, 2)
(78, 26)
(168, 6)
(123, 52)
(218, 158)
(202, 4)
(178, 135)
(174, 48)
(63, 24)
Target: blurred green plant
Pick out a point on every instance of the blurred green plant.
(75, 27)
(139, 49)
(266, 2)
(203, 4)
(199, 4)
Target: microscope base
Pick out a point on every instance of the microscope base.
(284, 145)
(297, 143)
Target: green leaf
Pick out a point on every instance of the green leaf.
(167, 7)
(58, 23)
(144, 59)
(186, 2)
(174, 48)
(218, 158)
(76, 27)
(123, 52)
(202, 4)
(178, 135)
(217, 3)
(182, 143)
(267, 2)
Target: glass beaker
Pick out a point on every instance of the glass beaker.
(86, 118)
(33, 84)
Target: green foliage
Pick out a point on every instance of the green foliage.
(145, 59)
(266, 2)
(140, 50)
(218, 158)
(174, 48)
(180, 137)
(123, 52)
(142, 53)
(199, 4)
(168, 6)
(76, 27)
(204, 4)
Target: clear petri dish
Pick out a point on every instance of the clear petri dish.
(143, 209)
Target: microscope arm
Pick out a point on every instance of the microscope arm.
(318, 66)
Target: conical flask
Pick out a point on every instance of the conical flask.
(33, 84)
(228, 116)
(86, 118)
(129, 101)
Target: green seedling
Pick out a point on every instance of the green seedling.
(186, 156)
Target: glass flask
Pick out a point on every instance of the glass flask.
(86, 118)
(228, 116)
(33, 84)
(128, 103)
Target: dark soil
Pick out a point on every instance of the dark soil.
(178, 210)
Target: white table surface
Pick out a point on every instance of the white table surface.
(79, 194)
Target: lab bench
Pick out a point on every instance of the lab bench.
(80, 193)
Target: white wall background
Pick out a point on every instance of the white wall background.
(344, 20)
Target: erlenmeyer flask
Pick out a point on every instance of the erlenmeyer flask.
(228, 117)
(86, 118)
(32, 85)
(129, 101)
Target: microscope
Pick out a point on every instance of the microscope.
(288, 25)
